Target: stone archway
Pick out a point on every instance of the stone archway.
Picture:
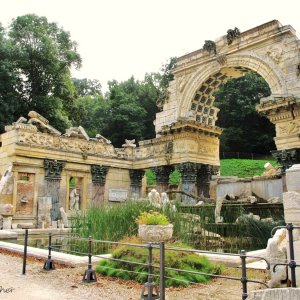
(271, 50)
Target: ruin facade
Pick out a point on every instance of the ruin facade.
(38, 161)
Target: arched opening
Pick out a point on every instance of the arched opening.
(227, 99)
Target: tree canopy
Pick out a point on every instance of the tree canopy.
(40, 55)
(244, 129)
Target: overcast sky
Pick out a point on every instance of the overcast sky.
(121, 38)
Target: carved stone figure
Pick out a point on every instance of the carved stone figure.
(270, 170)
(77, 132)
(232, 34)
(6, 209)
(129, 143)
(42, 123)
(276, 253)
(210, 46)
(7, 182)
(64, 217)
(164, 199)
(154, 198)
(218, 218)
(74, 200)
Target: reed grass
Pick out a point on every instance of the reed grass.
(115, 221)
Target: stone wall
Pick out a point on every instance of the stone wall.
(263, 187)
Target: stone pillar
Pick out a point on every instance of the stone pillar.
(136, 177)
(291, 204)
(53, 169)
(189, 179)
(204, 175)
(162, 177)
(98, 179)
(44, 212)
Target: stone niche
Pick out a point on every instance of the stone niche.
(75, 187)
(25, 193)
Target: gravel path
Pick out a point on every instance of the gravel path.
(65, 283)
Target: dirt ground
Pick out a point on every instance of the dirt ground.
(66, 283)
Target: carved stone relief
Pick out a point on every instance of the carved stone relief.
(275, 53)
(287, 128)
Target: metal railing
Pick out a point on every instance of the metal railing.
(150, 289)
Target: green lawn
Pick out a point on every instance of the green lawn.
(243, 167)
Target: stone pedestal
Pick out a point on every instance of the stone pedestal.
(291, 204)
(7, 221)
(44, 212)
(293, 178)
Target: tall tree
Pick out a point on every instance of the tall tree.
(44, 54)
(244, 129)
(10, 84)
(125, 117)
(87, 87)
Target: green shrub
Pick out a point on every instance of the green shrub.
(173, 259)
(152, 218)
(175, 177)
(150, 176)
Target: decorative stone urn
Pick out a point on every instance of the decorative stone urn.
(155, 233)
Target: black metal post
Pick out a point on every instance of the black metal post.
(292, 263)
(150, 268)
(162, 271)
(25, 252)
(244, 279)
(89, 274)
(150, 286)
(49, 264)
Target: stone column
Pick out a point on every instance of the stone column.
(162, 177)
(136, 177)
(291, 204)
(53, 169)
(204, 174)
(98, 179)
(189, 179)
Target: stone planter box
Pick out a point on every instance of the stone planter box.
(155, 233)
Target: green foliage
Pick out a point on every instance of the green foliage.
(151, 178)
(175, 177)
(243, 167)
(152, 218)
(110, 222)
(173, 259)
(131, 110)
(245, 130)
(258, 231)
(87, 87)
(37, 56)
